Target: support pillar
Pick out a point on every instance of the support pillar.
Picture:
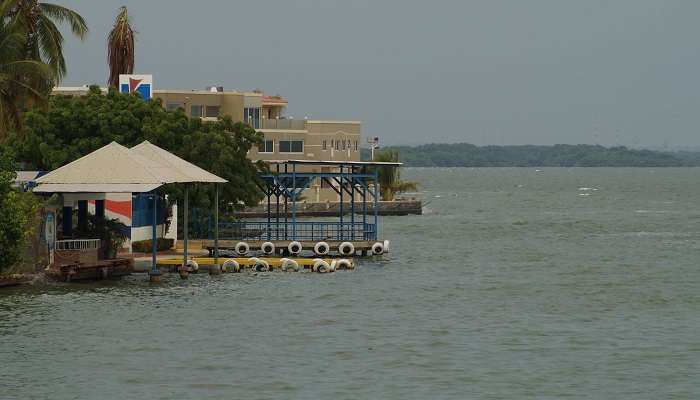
(184, 273)
(154, 275)
(67, 227)
(100, 208)
(82, 215)
(216, 268)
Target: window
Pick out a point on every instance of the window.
(212, 111)
(251, 115)
(291, 146)
(196, 111)
(267, 147)
(344, 142)
(355, 145)
(337, 144)
(325, 145)
(174, 106)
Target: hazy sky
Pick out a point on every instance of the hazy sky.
(484, 72)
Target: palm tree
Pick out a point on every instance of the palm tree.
(21, 80)
(44, 40)
(120, 48)
(390, 181)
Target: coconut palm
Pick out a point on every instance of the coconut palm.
(120, 48)
(390, 181)
(44, 41)
(22, 80)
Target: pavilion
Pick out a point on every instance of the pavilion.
(118, 169)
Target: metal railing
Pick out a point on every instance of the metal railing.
(307, 231)
(78, 244)
(295, 124)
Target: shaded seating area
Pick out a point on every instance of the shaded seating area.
(114, 168)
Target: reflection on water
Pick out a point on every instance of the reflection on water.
(512, 286)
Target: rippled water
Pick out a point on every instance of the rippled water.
(516, 283)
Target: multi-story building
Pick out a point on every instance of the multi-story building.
(286, 138)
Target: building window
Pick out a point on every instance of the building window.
(325, 145)
(251, 115)
(355, 145)
(212, 111)
(266, 147)
(337, 144)
(174, 106)
(291, 146)
(196, 111)
(344, 143)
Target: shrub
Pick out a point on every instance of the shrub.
(146, 246)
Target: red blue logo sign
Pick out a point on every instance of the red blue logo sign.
(141, 84)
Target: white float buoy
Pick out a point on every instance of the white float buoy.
(378, 249)
(242, 248)
(261, 266)
(346, 249)
(230, 265)
(294, 248)
(192, 266)
(268, 248)
(321, 266)
(289, 264)
(386, 246)
(344, 263)
(321, 248)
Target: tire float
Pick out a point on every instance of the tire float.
(321, 266)
(289, 265)
(230, 266)
(242, 248)
(261, 266)
(378, 249)
(268, 248)
(321, 248)
(294, 248)
(192, 266)
(346, 249)
(344, 263)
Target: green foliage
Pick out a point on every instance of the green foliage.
(390, 181)
(111, 232)
(18, 213)
(23, 81)
(146, 246)
(560, 155)
(72, 127)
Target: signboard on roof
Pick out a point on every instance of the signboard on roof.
(141, 84)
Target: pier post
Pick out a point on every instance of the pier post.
(82, 215)
(216, 268)
(100, 208)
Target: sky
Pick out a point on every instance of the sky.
(621, 72)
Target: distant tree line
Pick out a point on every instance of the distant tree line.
(560, 155)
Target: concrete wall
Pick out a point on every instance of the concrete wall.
(230, 103)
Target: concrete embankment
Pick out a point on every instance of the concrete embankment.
(329, 209)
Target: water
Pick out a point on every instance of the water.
(515, 284)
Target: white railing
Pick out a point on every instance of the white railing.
(78, 244)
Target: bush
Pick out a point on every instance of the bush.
(146, 246)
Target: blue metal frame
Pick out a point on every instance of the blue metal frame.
(350, 179)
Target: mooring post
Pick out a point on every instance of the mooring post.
(294, 202)
(154, 275)
(216, 268)
(352, 202)
(183, 271)
(341, 184)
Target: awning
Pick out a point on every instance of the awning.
(95, 187)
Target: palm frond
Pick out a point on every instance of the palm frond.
(62, 14)
(120, 48)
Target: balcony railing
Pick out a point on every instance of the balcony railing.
(294, 124)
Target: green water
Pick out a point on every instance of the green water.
(514, 284)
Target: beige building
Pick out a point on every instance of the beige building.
(286, 138)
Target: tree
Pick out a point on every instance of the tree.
(21, 80)
(17, 214)
(72, 127)
(390, 181)
(120, 48)
(44, 41)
